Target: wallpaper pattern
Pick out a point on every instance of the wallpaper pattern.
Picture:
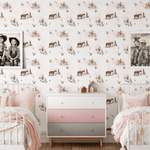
(74, 42)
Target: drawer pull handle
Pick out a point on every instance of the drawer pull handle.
(61, 130)
(92, 116)
(92, 102)
(92, 130)
(61, 102)
(61, 116)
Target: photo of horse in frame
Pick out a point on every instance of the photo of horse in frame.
(139, 50)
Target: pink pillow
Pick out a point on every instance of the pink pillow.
(24, 100)
(130, 103)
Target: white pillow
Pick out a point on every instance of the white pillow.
(126, 96)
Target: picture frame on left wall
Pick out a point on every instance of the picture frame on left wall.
(11, 49)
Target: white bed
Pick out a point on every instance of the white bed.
(129, 135)
(14, 138)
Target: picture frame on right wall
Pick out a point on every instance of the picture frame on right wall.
(139, 50)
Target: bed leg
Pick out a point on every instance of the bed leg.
(51, 142)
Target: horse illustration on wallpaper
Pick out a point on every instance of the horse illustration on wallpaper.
(43, 79)
(71, 22)
(24, 73)
(82, 16)
(7, 6)
(83, 72)
(71, 51)
(99, 22)
(120, 6)
(99, 51)
(26, 44)
(53, 73)
(35, 6)
(147, 5)
(128, 22)
(43, 22)
(139, 16)
(71, 79)
(111, 72)
(92, 6)
(54, 44)
(25, 16)
(63, 5)
(43, 51)
(111, 16)
(111, 44)
(82, 44)
(139, 72)
(54, 16)
(14, 22)
(99, 79)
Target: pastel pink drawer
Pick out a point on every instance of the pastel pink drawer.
(76, 115)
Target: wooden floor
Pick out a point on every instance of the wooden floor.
(65, 146)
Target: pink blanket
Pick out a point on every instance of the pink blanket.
(36, 143)
(123, 123)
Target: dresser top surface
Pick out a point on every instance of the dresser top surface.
(76, 94)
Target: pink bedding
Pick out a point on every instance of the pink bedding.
(123, 123)
(36, 143)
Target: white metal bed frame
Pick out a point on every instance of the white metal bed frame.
(19, 87)
(134, 89)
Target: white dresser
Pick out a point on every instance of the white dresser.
(76, 115)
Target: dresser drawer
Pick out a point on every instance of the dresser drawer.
(76, 115)
(76, 129)
(76, 103)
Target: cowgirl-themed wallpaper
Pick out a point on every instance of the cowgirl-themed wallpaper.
(74, 42)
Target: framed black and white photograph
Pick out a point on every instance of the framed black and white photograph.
(139, 50)
(11, 49)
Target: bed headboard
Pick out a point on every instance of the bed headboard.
(131, 89)
(19, 88)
